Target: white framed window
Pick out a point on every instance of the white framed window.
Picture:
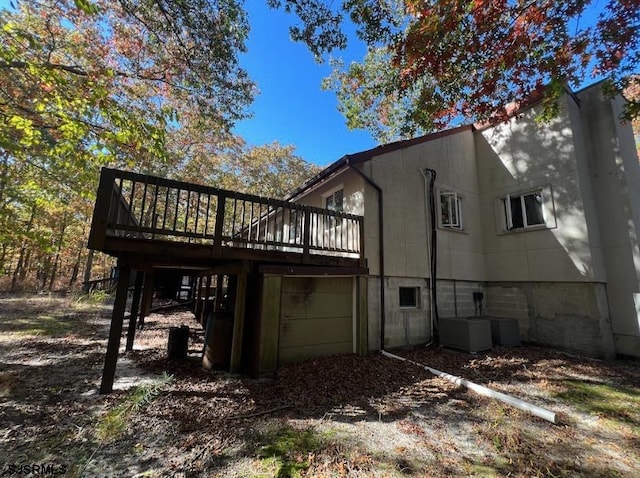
(409, 297)
(335, 201)
(524, 210)
(450, 210)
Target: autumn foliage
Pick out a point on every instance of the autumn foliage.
(432, 63)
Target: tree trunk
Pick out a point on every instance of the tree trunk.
(87, 271)
(56, 262)
(18, 270)
(76, 268)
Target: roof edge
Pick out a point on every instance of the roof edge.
(363, 156)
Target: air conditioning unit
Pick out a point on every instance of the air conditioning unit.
(504, 331)
(471, 335)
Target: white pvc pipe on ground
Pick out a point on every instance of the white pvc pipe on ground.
(484, 391)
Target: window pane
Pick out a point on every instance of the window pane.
(330, 202)
(339, 200)
(516, 213)
(533, 209)
(445, 217)
(335, 202)
(450, 209)
(454, 204)
(408, 296)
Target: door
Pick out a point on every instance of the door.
(316, 317)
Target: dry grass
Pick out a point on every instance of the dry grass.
(343, 416)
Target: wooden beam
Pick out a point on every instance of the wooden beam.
(363, 259)
(101, 210)
(238, 322)
(207, 293)
(115, 331)
(198, 306)
(135, 307)
(312, 270)
(306, 235)
(168, 254)
(217, 231)
(269, 324)
(147, 297)
(362, 317)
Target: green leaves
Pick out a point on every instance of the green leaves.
(89, 83)
(86, 6)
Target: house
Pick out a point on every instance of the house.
(535, 222)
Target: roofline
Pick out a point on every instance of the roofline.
(516, 108)
(363, 156)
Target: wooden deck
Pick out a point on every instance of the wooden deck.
(161, 222)
(155, 225)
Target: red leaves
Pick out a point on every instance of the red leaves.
(484, 53)
(470, 58)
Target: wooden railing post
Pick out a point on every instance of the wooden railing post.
(217, 232)
(306, 233)
(363, 259)
(100, 220)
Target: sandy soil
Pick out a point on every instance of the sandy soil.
(336, 416)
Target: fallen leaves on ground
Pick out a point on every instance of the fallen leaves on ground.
(344, 415)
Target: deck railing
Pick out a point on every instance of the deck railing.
(146, 207)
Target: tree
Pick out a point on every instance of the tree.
(147, 85)
(91, 83)
(433, 62)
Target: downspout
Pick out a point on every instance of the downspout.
(430, 179)
(380, 247)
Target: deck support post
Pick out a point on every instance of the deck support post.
(207, 293)
(115, 331)
(135, 307)
(198, 306)
(269, 324)
(362, 344)
(147, 297)
(238, 320)
(218, 298)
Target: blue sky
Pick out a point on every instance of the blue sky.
(291, 108)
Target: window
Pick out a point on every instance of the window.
(450, 210)
(409, 297)
(524, 210)
(335, 201)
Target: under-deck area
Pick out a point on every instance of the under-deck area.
(236, 250)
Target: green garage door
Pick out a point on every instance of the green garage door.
(316, 317)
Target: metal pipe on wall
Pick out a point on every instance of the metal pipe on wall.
(380, 247)
(432, 245)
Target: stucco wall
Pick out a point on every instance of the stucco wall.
(522, 155)
(350, 182)
(586, 166)
(399, 175)
(615, 177)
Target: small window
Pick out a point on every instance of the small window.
(409, 297)
(524, 210)
(335, 201)
(450, 210)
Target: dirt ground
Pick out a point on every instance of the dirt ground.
(343, 416)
